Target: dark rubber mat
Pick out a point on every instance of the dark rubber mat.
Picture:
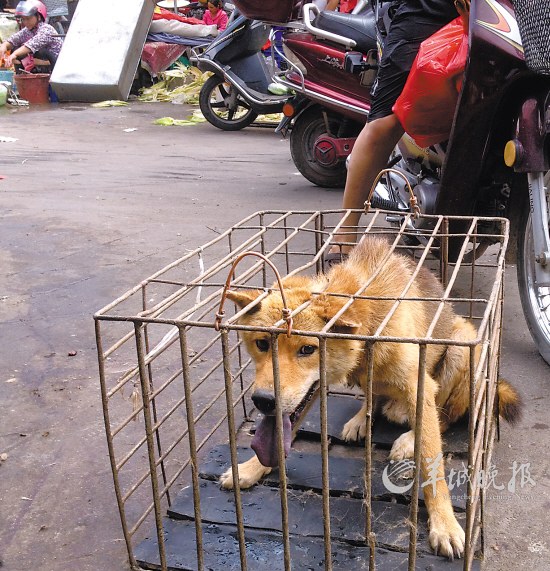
(262, 506)
(304, 472)
(265, 552)
(262, 510)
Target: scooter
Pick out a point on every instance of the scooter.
(332, 64)
(238, 92)
(496, 161)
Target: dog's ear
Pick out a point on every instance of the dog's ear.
(244, 297)
(327, 307)
(344, 325)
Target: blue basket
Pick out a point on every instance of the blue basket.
(6, 75)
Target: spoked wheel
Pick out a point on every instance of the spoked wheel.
(535, 299)
(309, 160)
(223, 107)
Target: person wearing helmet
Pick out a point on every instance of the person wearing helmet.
(36, 37)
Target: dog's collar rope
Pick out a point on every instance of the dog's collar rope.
(287, 313)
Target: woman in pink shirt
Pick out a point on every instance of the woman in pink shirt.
(215, 15)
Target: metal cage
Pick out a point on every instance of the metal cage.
(175, 391)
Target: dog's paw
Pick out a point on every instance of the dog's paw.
(226, 479)
(250, 473)
(355, 429)
(403, 447)
(446, 536)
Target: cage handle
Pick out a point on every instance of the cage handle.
(285, 311)
(413, 201)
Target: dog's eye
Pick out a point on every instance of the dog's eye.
(307, 349)
(262, 344)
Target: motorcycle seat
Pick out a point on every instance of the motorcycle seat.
(358, 27)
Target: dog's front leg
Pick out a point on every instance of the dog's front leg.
(250, 473)
(446, 535)
(356, 427)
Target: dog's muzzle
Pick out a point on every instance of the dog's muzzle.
(264, 401)
(264, 442)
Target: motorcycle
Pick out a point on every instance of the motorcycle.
(496, 161)
(238, 92)
(332, 64)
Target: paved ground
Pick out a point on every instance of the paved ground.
(89, 210)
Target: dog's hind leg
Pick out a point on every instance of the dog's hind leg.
(403, 447)
(250, 473)
(396, 411)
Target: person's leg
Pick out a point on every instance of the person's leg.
(409, 27)
(48, 55)
(370, 155)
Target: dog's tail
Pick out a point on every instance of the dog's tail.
(510, 405)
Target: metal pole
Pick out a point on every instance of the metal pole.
(417, 456)
(280, 450)
(369, 535)
(186, 373)
(233, 445)
(324, 451)
(471, 459)
(110, 446)
(150, 442)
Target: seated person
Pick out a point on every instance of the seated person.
(36, 38)
(215, 15)
(166, 22)
(197, 9)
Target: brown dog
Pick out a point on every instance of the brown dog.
(446, 394)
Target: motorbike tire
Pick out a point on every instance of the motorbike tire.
(308, 127)
(535, 300)
(212, 98)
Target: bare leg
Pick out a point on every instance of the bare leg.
(369, 156)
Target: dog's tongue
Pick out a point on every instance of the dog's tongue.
(264, 442)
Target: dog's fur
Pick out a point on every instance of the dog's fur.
(446, 393)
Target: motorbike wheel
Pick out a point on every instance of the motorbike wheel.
(214, 101)
(308, 127)
(535, 300)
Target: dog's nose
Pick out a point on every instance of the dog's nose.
(264, 401)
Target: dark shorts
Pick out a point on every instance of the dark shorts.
(408, 29)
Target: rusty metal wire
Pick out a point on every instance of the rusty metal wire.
(190, 383)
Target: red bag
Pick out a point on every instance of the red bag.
(427, 104)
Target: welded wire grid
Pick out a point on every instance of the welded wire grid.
(172, 386)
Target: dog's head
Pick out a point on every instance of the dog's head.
(298, 355)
